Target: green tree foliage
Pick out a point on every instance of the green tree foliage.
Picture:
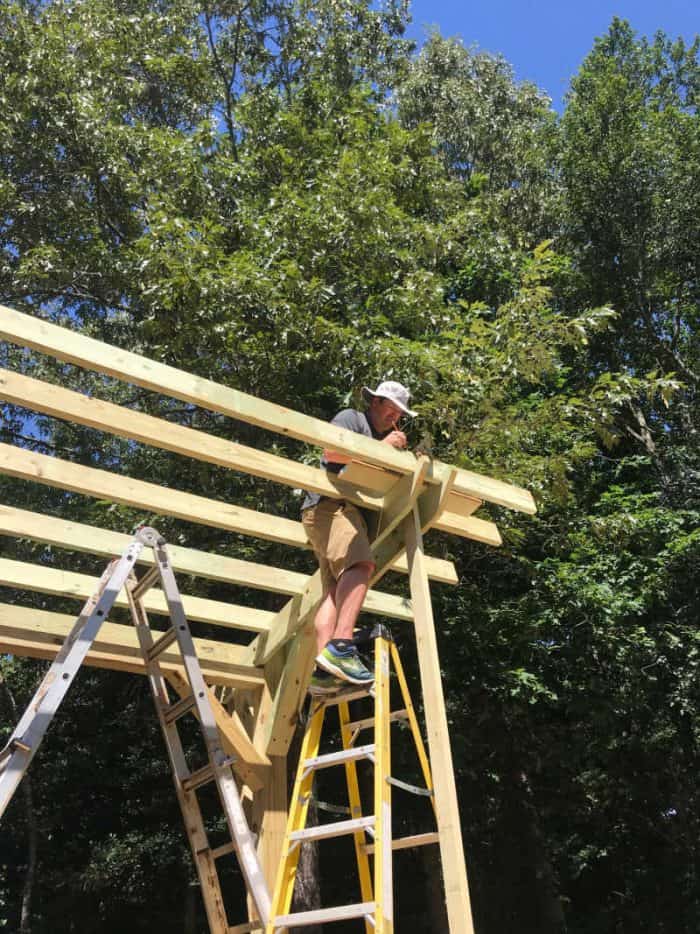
(281, 196)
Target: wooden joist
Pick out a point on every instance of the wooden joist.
(103, 484)
(248, 761)
(41, 579)
(74, 407)
(90, 539)
(40, 634)
(30, 331)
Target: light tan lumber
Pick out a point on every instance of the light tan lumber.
(494, 491)
(480, 530)
(35, 633)
(64, 344)
(446, 806)
(105, 485)
(25, 576)
(102, 484)
(462, 506)
(442, 571)
(127, 423)
(249, 763)
(90, 539)
(367, 477)
(30, 331)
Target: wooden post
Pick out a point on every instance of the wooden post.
(447, 811)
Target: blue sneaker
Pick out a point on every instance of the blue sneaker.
(344, 664)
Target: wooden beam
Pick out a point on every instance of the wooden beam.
(32, 633)
(102, 484)
(36, 577)
(73, 347)
(91, 539)
(29, 331)
(128, 423)
(249, 764)
(446, 806)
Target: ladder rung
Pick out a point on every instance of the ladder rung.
(160, 645)
(338, 758)
(345, 696)
(404, 843)
(369, 721)
(146, 582)
(12, 746)
(200, 777)
(321, 916)
(247, 927)
(337, 829)
(179, 708)
(224, 850)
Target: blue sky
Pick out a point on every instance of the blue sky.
(546, 40)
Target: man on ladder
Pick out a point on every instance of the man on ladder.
(338, 534)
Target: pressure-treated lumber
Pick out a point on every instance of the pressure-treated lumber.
(53, 471)
(26, 631)
(249, 762)
(127, 423)
(37, 577)
(446, 806)
(76, 536)
(29, 331)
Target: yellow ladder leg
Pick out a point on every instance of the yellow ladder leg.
(298, 809)
(383, 882)
(355, 803)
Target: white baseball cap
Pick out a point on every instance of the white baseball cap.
(393, 391)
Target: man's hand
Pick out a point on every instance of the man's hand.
(396, 438)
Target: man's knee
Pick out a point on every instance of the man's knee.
(365, 568)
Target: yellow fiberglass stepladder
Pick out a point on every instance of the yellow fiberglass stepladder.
(265, 670)
(376, 908)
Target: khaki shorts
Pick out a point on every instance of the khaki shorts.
(338, 534)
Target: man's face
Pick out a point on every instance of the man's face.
(385, 414)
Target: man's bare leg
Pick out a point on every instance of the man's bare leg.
(325, 620)
(350, 593)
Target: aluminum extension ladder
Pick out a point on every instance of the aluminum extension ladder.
(376, 907)
(26, 738)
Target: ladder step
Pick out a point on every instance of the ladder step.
(224, 850)
(338, 758)
(198, 778)
(405, 843)
(179, 708)
(369, 721)
(13, 746)
(146, 582)
(345, 696)
(160, 645)
(321, 916)
(337, 829)
(247, 927)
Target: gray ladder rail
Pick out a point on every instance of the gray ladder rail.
(26, 738)
(218, 769)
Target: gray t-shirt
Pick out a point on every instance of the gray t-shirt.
(353, 421)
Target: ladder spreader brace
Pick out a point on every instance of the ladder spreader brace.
(17, 755)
